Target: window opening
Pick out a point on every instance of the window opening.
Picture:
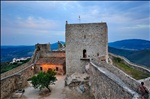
(84, 53)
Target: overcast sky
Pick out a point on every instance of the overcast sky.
(31, 22)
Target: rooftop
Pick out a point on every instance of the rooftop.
(51, 60)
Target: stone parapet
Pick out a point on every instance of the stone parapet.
(15, 70)
(106, 85)
(15, 81)
(128, 80)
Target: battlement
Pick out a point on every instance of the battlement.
(85, 23)
(43, 47)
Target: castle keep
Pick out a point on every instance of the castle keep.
(85, 41)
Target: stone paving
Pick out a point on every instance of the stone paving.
(59, 91)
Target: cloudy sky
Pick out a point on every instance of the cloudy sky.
(31, 22)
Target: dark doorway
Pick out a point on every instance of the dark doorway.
(41, 68)
(56, 68)
(84, 53)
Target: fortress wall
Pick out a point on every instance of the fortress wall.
(17, 69)
(126, 61)
(105, 87)
(53, 54)
(128, 80)
(8, 85)
(137, 67)
(16, 80)
(34, 56)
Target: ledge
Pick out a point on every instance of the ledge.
(84, 58)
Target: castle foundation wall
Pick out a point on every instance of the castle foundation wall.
(16, 81)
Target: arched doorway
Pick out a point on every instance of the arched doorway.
(84, 53)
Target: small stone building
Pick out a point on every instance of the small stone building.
(85, 41)
(46, 59)
(52, 63)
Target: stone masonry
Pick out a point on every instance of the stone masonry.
(85, 41)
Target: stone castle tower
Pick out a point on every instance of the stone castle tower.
(85, 41)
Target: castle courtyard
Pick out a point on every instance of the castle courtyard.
(58, 91)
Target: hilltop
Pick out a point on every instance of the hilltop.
(140, 57)
(131, 44)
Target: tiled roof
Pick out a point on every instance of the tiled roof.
(51, 60)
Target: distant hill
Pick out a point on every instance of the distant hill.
(10, 52)
(131, 44)
(136, 56)
(141, 57)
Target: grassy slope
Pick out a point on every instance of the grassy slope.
(138, 57)
(130, 71)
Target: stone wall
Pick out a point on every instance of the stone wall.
(91, 38)
(43, 47)
(16, 80)
(8, 86)
(137, 67)
(105, 85)
(52, 54)
(46, 67)
(17, 69)
(123, 76)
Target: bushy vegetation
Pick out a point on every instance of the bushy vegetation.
(117, 59)
(129, 70)
(6, 66)
(43, 79)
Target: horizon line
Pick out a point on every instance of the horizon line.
(64, 42)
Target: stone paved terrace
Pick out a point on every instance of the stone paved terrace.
(59, 91)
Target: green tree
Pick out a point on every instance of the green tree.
(43, 79)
